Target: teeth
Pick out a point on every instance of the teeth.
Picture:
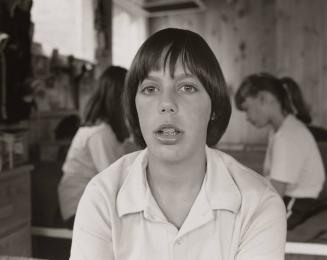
(168, 131)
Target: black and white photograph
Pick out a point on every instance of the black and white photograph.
(163, 130)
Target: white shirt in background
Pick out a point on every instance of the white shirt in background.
(93, 149)
(293, 157)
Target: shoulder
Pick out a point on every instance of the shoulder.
(254, 189)
(293, 135)
(110, 180)
(100, 129)
(102, 132)
(245, 178)
(85, 132)
(260, 205)
(98, 204)
(293, 128)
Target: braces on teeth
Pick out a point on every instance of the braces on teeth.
(169, 131)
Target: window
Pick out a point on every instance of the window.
(65, 25)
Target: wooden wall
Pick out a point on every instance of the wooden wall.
(301, 41)
(283, 37)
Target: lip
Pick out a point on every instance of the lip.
(168, 139)
(168, 126)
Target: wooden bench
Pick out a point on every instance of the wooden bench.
(305, 251)
(51, 243)
(62, 233)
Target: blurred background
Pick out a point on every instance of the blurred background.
(52, 53)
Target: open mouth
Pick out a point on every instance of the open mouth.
(168, 134)
(168, 130)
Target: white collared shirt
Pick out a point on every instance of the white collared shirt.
(236, 215)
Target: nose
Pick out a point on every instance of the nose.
(168, 108)
(167, 105)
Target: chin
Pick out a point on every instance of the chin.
(167, 153)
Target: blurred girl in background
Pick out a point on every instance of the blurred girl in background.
(293, 162)
(97, 144)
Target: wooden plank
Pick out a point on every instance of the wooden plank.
(312, 249)
(62, 233)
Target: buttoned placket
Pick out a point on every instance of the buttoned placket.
(179, 249)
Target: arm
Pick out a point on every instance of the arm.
(92, 238)
(287, 162)
(264, 233)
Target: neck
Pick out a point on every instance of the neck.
(179, 176)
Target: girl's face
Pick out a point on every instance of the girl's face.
(255, 110)
(174, 114)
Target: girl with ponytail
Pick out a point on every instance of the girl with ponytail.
(293, 163)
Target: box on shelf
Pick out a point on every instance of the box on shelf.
(13, 147)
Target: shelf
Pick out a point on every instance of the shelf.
(17, 170)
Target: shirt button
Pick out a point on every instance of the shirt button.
(179, 241)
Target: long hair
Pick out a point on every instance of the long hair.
(105, 103)
(163, 49)
(301, 108)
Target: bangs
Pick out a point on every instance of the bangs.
(166, 58)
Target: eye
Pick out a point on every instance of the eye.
(149, 90)
(187, 88)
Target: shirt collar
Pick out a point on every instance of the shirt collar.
(220, 187)
(222, 191)
(132, 194)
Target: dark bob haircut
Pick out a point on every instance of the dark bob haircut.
(162, 50)
(255, 83)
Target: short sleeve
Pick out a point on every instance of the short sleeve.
(92, 238)
(265, 235)
(287, 159)
(102, 149)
